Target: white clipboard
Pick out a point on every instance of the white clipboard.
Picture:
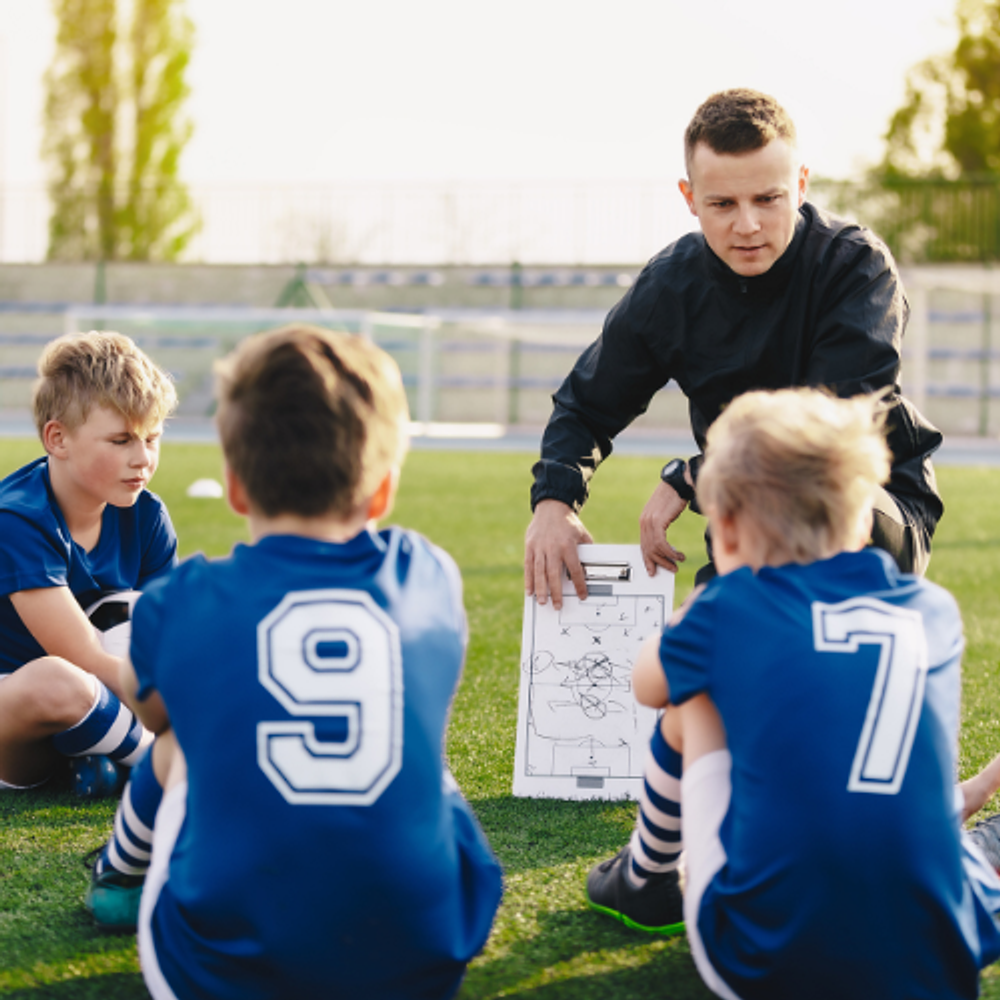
(580, 732)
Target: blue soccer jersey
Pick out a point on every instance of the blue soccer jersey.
(137, 544)
(324, 851)
(838, 684)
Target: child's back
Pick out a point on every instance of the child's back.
(837, 683)
(309, 865)
(310, 841)
(811, 692)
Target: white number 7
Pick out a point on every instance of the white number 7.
(898, 692)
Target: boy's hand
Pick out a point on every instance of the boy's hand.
(58, 624)
(151, 711)
(978, 790)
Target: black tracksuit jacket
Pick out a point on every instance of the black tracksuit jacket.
(829, 312)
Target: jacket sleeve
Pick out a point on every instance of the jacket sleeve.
(856, 349)
(610, 385)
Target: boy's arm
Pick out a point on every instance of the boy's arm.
(58, 624)
(649, 682)
(151, 711)
(976, 791)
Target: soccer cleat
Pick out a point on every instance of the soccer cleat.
(97, 777)
(112, 898)
(986, 836)
(656, 908)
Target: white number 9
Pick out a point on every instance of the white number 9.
(325, 654)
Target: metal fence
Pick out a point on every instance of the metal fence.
(924, 221)
(386, 223)
(551, 222)
(496, 367)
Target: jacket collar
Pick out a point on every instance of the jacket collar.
(773, 280)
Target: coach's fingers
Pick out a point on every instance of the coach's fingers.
(657, 551)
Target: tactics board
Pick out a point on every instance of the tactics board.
(580, 732)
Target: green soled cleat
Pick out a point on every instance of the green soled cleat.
(113, 898)
(656, 908)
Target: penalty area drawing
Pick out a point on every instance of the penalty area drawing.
(581, 734)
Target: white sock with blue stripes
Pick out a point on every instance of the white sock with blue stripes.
(656, 841)
(108, 729)
(129, 849)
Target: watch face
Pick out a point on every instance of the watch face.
(672, 467)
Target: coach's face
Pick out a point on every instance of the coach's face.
(746, 204)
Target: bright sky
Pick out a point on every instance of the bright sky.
(296, 90)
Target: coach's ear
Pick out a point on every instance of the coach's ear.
(236, 495)
(381, 502)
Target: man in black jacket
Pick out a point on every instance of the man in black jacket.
(772, 293)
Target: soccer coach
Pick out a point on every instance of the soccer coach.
(771, 293)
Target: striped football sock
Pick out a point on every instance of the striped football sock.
(129, 848)
(108, 729)
(656, 841)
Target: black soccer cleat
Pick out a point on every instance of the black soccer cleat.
(656, 908)
(986, 836)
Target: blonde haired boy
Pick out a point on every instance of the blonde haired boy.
(311, 842)
(812, 692)
(75, 525)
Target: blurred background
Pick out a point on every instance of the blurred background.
(472, 183)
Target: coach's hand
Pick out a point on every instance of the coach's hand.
(663, 508)
(549, 545)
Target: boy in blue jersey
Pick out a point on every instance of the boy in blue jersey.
(811, 697)
(76, 525)
(310, 841)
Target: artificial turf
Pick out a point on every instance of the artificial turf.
(546, 943)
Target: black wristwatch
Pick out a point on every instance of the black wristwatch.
(673, 475)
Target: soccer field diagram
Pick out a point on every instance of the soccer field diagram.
(581, 734)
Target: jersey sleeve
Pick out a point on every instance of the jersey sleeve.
(159, 554)
(147, 632)
(30, 557)
(455, 590)
(686, 649)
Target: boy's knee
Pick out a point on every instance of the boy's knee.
(52, 691)
(169, 764)
(670, 727)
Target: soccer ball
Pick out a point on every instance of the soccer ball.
(111, 617)
(97, 777)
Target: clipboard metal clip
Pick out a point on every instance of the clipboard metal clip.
(608, 572)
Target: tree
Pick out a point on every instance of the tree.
(949, 124)
(114, 131)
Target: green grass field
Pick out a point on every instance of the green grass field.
(546, 943)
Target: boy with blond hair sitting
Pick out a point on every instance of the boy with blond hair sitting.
(311, 841)
(77, 525)
(811, 697)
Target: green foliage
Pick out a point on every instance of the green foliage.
(114, 132)
(546, 944)
(948, 124)
(923, 220)
(935, 197)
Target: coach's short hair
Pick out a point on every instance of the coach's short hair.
(737, 121)
(82, 370)
(801, 464)
(310, 420)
